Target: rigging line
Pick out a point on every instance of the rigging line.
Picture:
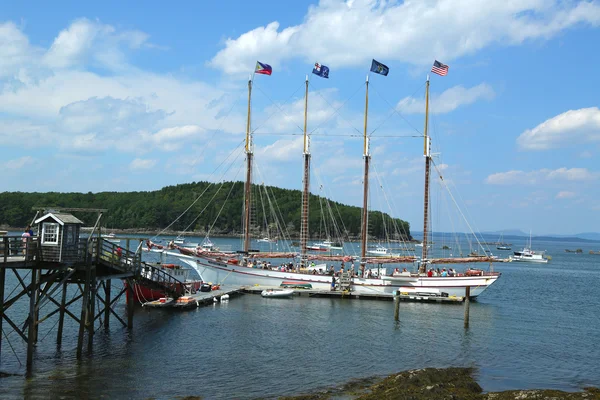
(223, 119)
(335, 135)
(199, 197)
(279, 107)
(278, 219)
(391, 207)
(337, 109)
(396, 111)
(224, 202)
(320, 182)
(457, 206)
(217, 192)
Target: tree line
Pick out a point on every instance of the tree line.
(219, 208)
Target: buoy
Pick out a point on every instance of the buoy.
(225, 297)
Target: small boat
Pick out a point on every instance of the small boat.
(595, 252)
(378, 250)
(277, 293)
(266, 240)
(208, 245)
(578, 251)
(503, 247)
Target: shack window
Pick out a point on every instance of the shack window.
(70, 234)
(50, 233)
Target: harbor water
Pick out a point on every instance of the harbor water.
(536, 327)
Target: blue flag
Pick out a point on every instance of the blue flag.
(379, 68)
(321, 70)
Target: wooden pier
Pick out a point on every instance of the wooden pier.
(417, 297)
(58, 262)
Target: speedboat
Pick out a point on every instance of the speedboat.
(276, 293)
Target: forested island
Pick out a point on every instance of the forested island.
(220, 206)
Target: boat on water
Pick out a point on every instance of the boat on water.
(595, 252)
(277, 293)
(239, 268)
(143, 293)
(529, 255)
(266, 240)
(501, 245)
(378, 250)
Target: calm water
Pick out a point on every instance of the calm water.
(536, 327)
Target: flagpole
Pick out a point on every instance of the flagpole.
(304, 231)
(365, 214)
(248, 188)
(426, 153)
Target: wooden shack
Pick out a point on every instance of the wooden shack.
(59, 237)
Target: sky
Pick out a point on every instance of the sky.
(125, 96)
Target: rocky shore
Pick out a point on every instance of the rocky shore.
(435, 384)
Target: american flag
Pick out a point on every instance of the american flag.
(439, 68)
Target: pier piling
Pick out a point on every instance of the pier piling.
(467, 303)
(397, 306)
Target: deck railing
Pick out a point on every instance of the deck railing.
(16, 247)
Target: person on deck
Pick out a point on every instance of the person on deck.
(25, 237)
(430, 273)
(333, 282)
(444, 272)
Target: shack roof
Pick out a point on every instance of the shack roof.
(61, 218)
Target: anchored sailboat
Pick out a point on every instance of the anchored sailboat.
(238, 269)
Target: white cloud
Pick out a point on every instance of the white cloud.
(565, 195)
(141, 164)
(17, 163)
(571, 127)
(348, 33)
(535, 177)
(85, 38)
(282, 150)
(447, 101)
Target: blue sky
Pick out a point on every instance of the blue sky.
(118, 96)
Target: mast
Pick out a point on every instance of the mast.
(365, 214)
(306, 182)
(248, 187)
(426, 153)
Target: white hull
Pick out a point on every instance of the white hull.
(529, 260)
(222, 273)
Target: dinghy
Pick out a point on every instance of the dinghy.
(277, 293)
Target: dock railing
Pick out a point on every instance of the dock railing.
(18, 248)
(113, 255)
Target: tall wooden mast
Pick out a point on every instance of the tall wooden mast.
(426, 153)
(248, 187)
(306, 182)
(365, 214)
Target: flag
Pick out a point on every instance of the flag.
(321, 70)
(264, 69)
(439, 68)
(379, 68)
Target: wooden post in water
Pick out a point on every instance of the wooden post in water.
(61, 317)
(92, 310)
(31, 320)
(107, 301)
(2, 278)
(397, 306)
(467, 301)
(84, 308)
(130, 301)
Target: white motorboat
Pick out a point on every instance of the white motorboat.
(378, 250)
(277, 293)
(528, 255)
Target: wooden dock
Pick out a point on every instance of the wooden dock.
(195, 300)
(363, 296)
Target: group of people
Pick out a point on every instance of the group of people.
(444, 272)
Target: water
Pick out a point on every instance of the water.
(537, 327)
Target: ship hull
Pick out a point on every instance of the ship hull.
(221, 273)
